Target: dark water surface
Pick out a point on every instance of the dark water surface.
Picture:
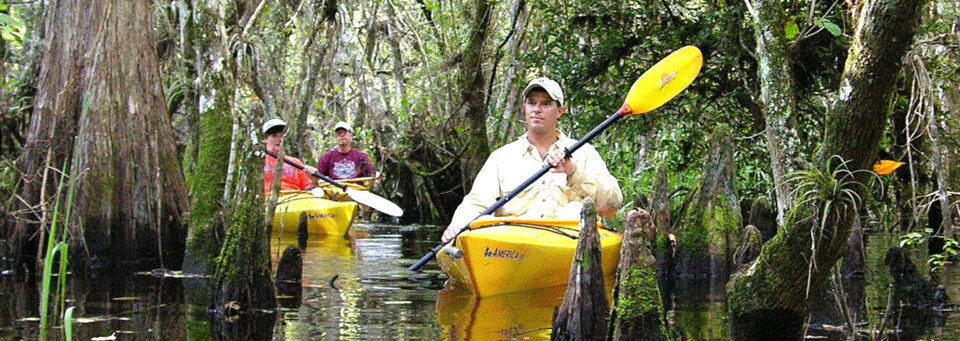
(358, 288)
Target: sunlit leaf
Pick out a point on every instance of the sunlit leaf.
(791, 30)
(829, 26)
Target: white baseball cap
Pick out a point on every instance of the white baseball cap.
(342, 125)
(273, 124)
(548, 85)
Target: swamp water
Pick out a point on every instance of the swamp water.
(359, 288)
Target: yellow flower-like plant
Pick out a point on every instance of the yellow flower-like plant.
(884, 167)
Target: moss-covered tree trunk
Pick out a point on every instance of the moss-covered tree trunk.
(776, 94)
(710, 228)
(636, 298)
(243, 267)
(665, 246)
(767, 300)
(213, 147)
(473, 94)
(100, 102)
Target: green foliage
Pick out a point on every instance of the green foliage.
(68, 323)
(829, 26)
(791, 29)
(951, 248)
(56, 243)
(12, 29)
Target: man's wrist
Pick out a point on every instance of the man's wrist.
(576, 178)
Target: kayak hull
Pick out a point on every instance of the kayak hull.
(323, 216)
(518, 255)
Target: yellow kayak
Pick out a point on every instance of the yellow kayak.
(501, 255)
(323, 216)
(336, 194)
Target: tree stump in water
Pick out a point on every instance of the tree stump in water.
(584, 312)
(909, 286)
(636, 299)
(710, 227)
(302, 232)
(289, 277)
(665, 244)
(242, 279)
(914, 296)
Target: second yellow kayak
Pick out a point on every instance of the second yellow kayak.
(323, 216)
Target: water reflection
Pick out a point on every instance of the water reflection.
(358, 288)
(517, 315)
(375, 297)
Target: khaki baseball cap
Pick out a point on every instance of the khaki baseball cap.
(548, 85)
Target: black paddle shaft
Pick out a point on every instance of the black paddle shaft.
(503, 200)
(315, 174)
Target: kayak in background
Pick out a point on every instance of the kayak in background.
(324, 216)
(336, 194)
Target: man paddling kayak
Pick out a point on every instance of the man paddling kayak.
(345, 162)
(582, 175)
(293, 178)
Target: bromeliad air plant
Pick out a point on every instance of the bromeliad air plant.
(833, 189)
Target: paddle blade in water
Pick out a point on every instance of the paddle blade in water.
(663, 81)
(375, 202)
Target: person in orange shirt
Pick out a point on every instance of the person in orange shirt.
(293, 179)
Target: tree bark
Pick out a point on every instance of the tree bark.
(768, 299)
(100, 102)
(711, 226)
(584, 313)
(637, 301)
(473, 94)
(776, 94)
(207, 226)
(243, 267)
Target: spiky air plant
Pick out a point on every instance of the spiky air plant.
(830, 191)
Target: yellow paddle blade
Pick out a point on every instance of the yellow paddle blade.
(663, 81)
(884, 167)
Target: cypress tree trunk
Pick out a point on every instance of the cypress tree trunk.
(768, 299)
(473, 94)
(584, 313)
(243, 267)
(213, 147)
(711, 226)
(665, 242)
(636, 299)
(100, 102)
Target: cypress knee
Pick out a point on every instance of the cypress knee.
(584, 312)
(289, 277)
(637, 303)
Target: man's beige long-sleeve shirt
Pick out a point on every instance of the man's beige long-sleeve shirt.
(512, 164)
